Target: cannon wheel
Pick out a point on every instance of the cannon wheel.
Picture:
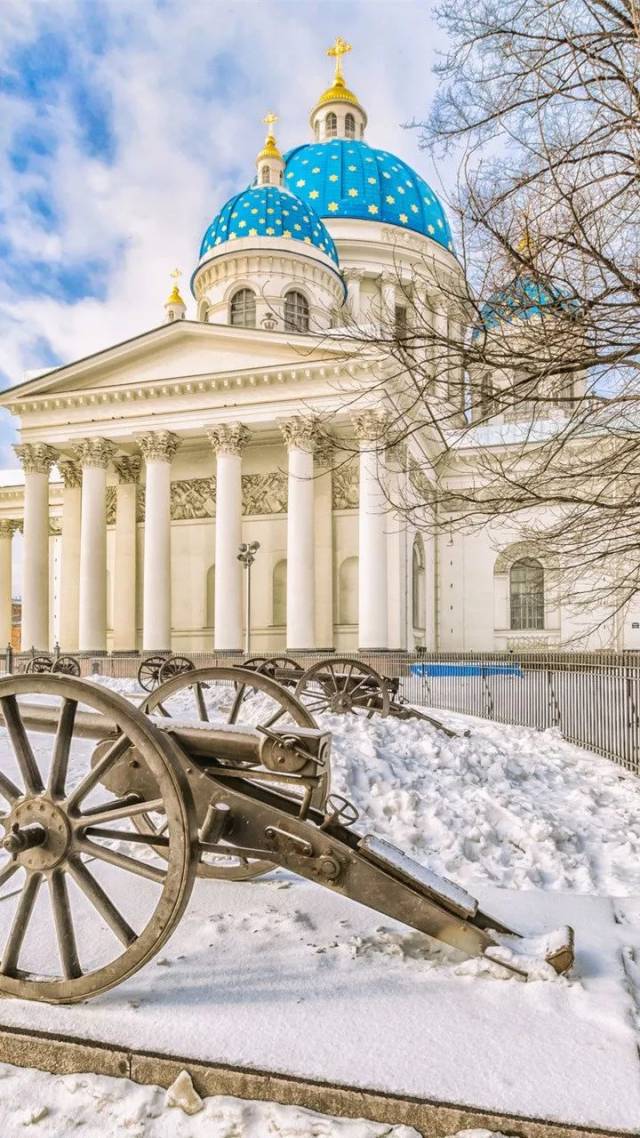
(39, 665)
(342, 686)
(270, 665)
(245, 684)
(57, 834)
(67, 666)
(149, 672)
(175, 666)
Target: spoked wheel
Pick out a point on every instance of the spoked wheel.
(87, 899)
(67, 666)
(149, 672)
(344, 686)
(175, 666)
(39, 665)
(273, 665)
(224, 697)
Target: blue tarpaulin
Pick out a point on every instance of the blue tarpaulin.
(435, 671)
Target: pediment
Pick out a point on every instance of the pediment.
(186, 350)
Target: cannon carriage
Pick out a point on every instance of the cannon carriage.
(110, 811)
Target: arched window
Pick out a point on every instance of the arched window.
(526, 590)
(348, 591)
(210, 599)
(331, 125)
(417, 584)
(279, 592)
(296, 312)
(242, 310)
(349, 126)
(266, 175)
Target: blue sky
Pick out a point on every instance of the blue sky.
(125, 124)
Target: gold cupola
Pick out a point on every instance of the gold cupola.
(270, 163)
(174, 306)
(338, 113)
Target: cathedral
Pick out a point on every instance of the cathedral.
(148, 465)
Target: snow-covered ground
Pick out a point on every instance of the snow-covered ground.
(507, 807)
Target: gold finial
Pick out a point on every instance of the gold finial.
(270, 149)
(174, 296)
(340, 48)
(526, 243)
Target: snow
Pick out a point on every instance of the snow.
(284, 974)
(101, 1107)
(441, 888)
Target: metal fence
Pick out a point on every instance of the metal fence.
(592, 698)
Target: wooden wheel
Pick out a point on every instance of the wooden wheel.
(175, 666)
(149, 672)
(224, 697)
(344, 686)
(39, 665)
(67, 666)
(86, 901)
(273, 665)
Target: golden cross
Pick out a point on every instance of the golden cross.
(176, 274)
(270, 119)
(340, 48)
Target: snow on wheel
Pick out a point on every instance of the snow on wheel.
(224, 697)
(344, 686)
(86, 899)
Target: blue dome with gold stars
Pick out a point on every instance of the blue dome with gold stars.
(344, 177)
(268, 211)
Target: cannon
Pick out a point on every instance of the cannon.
(156, 669)
(89, 897)
(39, 664)
(342, 685)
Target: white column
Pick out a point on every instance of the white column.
(353, 287)
(125, 583)
(94, 456)
(323, 498)
(70, 567)
(300, 437)
(37, 460)
(7, 530)
(228, 441)
(372, 530)
(158, 448)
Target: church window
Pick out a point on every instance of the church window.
(280, 592)
(417, 583)
(242, 310)
(266, 175)
(331, 125)
(526, 581)
(348, 591)
(296, 312)
(349, 126)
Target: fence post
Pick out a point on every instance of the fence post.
(8, 658)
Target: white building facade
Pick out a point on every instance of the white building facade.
(255, 417)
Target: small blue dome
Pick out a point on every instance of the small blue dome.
(268, 211)
(523, 299)
(348, 178)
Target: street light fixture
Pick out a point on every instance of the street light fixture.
(247, 555)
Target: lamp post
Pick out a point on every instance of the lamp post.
(247, 555)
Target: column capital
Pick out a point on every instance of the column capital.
(159, 446)
(371, 426)
(9, 526)
(228, 438)
(128, 468)
(36, 458)
(325, 451)
(94, 452)
(71, 473)
(300, 432)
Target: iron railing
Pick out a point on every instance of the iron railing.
(592, 698)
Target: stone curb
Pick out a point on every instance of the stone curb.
(64, 1055)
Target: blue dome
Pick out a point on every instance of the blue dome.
(268, 211)
(524, 299)
(347, 178)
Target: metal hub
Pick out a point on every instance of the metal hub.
(341, 702)
(37, 833)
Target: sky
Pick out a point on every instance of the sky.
(126, 124)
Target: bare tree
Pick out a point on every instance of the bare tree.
(518, 386)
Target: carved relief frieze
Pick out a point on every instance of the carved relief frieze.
(346, 486)
(111, 499)
(264, 493)
(193, 498)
